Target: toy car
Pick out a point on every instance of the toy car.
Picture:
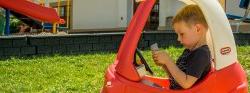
(125, 75)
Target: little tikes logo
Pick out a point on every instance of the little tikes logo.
(225, 50)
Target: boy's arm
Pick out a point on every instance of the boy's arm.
(166, 69)
(184, 80)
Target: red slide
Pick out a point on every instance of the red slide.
(32, 10)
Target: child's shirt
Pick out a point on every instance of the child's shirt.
(195, 63)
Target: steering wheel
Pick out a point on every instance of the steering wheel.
(138, 52)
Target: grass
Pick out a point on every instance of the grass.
(76, 73)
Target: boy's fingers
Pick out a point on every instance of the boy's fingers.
(155, 55)
(158, 64)
(155, 59)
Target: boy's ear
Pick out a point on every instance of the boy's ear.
(198, 27)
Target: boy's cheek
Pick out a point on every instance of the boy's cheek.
(185, 45)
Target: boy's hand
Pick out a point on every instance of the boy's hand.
(160, 57)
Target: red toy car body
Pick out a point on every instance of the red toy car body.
(225, 77)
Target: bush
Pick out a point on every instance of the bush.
(14, 23)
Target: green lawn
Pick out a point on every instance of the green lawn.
(76, 73)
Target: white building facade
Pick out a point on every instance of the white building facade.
(116, 14)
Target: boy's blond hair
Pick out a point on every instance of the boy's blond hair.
(190, 14)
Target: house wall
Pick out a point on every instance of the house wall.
(168, 8)
(232, 7)
(100, 14)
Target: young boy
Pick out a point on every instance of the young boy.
(194, 63)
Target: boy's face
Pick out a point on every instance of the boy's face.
(188, 35)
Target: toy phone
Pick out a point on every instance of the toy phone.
(154, 47)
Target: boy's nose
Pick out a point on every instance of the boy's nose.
(179, 39)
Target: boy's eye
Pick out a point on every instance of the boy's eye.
(181, 34)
